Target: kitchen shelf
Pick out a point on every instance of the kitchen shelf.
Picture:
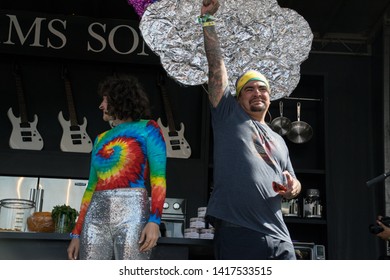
(310, 171)
(298, 220)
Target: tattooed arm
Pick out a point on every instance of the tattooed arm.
(218, 79)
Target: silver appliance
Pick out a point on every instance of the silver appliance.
(290, 207)
(15, 187)
(312, 207)
(173, 219)
(309, 251)
(60, 191)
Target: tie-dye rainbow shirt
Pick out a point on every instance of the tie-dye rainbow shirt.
(124, 157)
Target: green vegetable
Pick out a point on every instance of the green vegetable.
(64, 209)
(70, 214)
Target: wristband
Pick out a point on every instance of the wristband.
(205, 18)
(208, 23)
(72, 235)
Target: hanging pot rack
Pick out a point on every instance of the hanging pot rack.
(302, 99)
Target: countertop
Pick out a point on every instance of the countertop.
(65, 236)
(36, 245)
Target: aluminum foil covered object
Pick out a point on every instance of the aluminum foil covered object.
(254, 34)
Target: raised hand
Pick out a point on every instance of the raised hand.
(209, 7)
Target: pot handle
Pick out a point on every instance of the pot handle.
(298, 111)
(281, 108)
(270, 116)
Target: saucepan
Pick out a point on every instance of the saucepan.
(300, 131)
(281, 125)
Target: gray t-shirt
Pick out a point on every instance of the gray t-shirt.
(248, 157)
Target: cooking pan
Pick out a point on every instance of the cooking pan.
(281, 125)
(300, 131)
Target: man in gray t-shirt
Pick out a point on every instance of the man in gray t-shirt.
(252, 167)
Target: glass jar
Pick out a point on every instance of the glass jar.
(14, 213)
(63, 223)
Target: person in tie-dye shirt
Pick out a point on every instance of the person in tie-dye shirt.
(117, 220)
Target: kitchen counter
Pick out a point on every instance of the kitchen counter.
(52, 246)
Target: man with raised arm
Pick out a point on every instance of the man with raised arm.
(252, 167)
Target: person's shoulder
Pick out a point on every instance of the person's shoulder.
(226, 107)
(149, 122)
(101, 136)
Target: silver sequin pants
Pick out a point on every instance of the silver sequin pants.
(113, 225)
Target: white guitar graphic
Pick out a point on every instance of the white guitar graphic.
(74, 136)
(177, 145)
(24, 134)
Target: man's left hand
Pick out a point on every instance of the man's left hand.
(293, 186)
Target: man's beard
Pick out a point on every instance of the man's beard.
(260, 108)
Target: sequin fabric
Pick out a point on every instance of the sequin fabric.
(128, 156)
(254, 34)
(140, 5)
(113, 224)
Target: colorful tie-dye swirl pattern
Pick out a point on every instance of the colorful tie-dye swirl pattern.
(126, 157)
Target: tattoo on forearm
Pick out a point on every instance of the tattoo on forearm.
(217, 72)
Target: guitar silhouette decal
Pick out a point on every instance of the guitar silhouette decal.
(74, 135)
(177, 145)
(24, 134)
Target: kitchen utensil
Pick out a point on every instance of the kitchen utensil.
(281, 125)
(300, 131)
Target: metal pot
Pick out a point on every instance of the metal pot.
(300, 131)
(281, 125)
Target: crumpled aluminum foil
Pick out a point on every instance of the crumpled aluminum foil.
(254, 34)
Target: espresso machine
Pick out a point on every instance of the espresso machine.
(290, 207)
(312, 207)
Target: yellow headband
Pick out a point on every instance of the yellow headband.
(248, 76)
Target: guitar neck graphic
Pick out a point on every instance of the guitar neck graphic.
(24, 133)
(74, 136)
(177, 145)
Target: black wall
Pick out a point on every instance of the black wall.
(353, 149)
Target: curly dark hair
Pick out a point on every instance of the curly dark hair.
(126, 97)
